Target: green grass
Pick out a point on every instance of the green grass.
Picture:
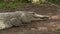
(2, 4)
(11, 5)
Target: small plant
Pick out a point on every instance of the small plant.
(58, 28)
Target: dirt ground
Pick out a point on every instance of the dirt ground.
(40, 27)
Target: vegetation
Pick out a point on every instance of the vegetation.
(55, 1)
(13, 3)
